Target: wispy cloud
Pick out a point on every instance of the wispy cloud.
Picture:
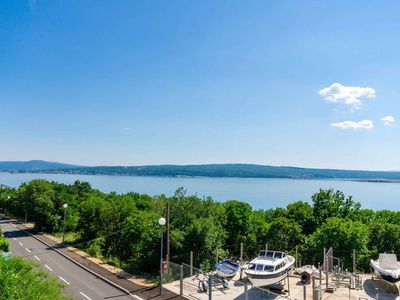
(364, 124)
(350, 95)
(388, 120)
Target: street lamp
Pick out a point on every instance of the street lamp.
(65, 205)
(7, 204)
(162, 222)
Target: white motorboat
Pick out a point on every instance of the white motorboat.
(270, 267)
(387, 267)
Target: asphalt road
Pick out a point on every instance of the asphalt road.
(79, 283)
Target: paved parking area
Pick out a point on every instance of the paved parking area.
(371, 290)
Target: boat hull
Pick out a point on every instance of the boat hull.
(225, 275)
(264, 280)
(268, 279)
(388, 275)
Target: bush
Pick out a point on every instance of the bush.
(4, 245)
(19, 280)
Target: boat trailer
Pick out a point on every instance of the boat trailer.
(210, 279)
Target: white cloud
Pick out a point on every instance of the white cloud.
(388, 120)
(364, 124)
(349, 95)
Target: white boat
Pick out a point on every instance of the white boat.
(387, 267)
(269, 267)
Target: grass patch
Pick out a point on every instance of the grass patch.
(70, 237)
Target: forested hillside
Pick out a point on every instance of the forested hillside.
(210, 170)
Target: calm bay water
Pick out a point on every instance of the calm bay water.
(259, 192)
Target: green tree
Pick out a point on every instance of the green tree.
(330, 203)
(284, 234)
(20, 280)
(90, 222)
(238, 221)
(140, 242)
(343, 235)
(36, 198)
(388, 216)
(384, 237)
(204, 236)
(302, 213)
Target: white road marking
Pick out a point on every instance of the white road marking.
(14, 239)
(48, 268)
(85, 296)
(20, 244)
(28, 250)
(63, 280)
(37, 258)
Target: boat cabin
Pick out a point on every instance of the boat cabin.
(268, 261)
(271, 254)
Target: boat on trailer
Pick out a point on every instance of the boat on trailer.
(386, 267)
(269, 268)
(227, 269)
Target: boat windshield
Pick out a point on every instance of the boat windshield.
(262, 253)
(252, 266)
(269, 268)
(270, 254)
(259, 267)
(278, 255)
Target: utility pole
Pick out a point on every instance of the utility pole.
(161, 221)
(168, 254)
(65, 205)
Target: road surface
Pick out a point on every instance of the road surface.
(80, 284)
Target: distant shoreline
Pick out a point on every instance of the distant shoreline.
(76, 172)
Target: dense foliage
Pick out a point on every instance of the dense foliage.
(21, 280)
(4, 243)
(123, 228)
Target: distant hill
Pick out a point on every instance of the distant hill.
(32, 165)
(209, 170)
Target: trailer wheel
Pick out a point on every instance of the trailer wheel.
(204, 285)
(225, 283)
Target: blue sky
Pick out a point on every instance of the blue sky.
(303, 83)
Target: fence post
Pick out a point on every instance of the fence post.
(246, 296)
(191, 263)
(266, 247)
(320, 274)
(209, 288)
(181, 282)
(326, 269)
(354, 260)
(313, 283)
(304, 292)
(349, 293)
(288, 281)
(241, 253)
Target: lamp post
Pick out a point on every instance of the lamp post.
(162, 222)
(7, 204)
(65, 205)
